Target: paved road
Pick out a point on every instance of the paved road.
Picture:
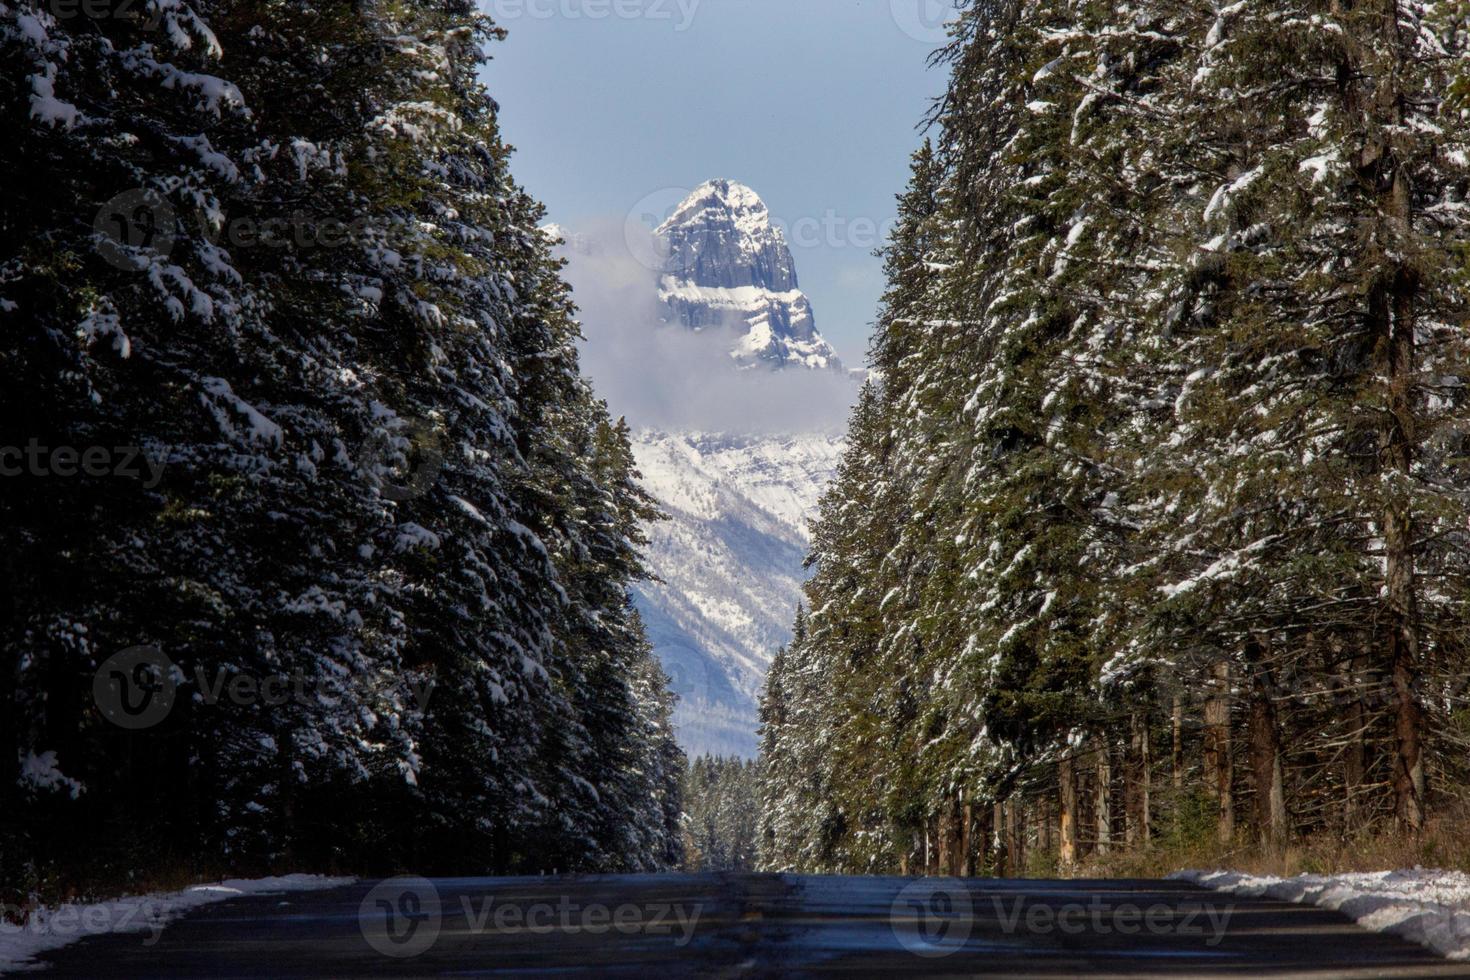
(663, 926)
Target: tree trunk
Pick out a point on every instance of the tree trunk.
(947, 844)
(984, 835)
(1103, 805)
(1067, 779)
(1355, 755)
(950, 834)
(1398, 539)
(960, 834)
(1002, 853)
(1178, 730)
(1139, 828)
(967, 841)
(1265, 750)
(1392, 309)
(1219, 765)
(1015, 850)
(908, 861)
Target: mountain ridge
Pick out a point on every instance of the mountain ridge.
(729, 563)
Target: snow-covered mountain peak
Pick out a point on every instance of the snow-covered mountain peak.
(728, 563)
(568, 239)
(728, 265)
(721, 203)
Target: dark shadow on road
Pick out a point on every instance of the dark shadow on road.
(660, 926)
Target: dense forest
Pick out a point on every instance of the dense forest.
(1155, 517)
(721, 814)
(317, 545)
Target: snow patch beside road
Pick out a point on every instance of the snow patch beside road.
(53, 927)
(1431, 908)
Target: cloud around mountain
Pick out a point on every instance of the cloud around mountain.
(663, 375)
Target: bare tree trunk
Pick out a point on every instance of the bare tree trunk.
(959, 833)
(1103, 805)
(1067, 778)
(1355, 755)
(967, 841)
(1178, 730)
(1015, 848)
(945, 845)
(1002, 855)
(1265, 750)
(1138, 830)
(984, 834)
(913, 861)
(950, 834)
(1219, 764)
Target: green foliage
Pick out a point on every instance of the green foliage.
(721, 814)
(1189, 823)
(1169, 378)
(286, 385)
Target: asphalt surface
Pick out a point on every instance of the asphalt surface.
(661, 926)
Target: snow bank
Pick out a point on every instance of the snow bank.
(1431, 908)
(53, 927)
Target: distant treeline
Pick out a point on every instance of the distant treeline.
(721, 814)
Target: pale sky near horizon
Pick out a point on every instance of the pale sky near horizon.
(813, 103)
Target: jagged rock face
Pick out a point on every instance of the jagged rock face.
(722, 236)
(729, 267)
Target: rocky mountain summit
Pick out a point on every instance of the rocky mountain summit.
(728, 266)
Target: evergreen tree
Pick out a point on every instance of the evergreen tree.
(1162, 455)
(278, 249)
(721, 799)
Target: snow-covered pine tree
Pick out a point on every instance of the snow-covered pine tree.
(278, 249)
(722, 801)
(777, 776)
(1173, 407)
(1321, 421)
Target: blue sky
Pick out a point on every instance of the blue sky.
(813, 103)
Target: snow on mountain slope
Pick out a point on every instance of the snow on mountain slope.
(730, 560)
